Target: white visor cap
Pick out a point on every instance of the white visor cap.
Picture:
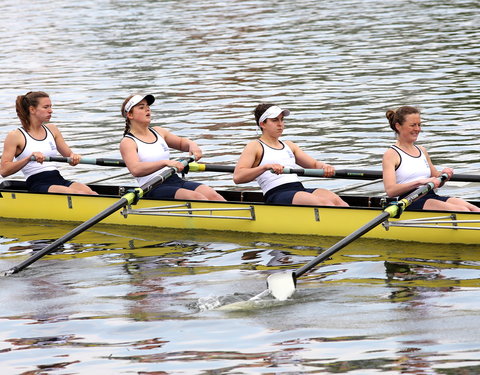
(273, 112)
(134, 100)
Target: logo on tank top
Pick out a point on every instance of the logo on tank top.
(53, 146)
(290, 154)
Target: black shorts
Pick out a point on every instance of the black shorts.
(284, 194)
(420, 202)
(40, 182)
(169, 187)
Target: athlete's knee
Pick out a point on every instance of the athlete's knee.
(190, 194)
(214, 196)
(209, 193)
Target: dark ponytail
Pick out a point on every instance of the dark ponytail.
(127, 120)
(23, 104)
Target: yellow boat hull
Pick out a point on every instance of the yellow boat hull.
(447, 227)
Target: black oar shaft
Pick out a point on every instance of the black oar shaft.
(128, 198)
(367, 174)
(198, 167)
(81, 228)
(353, 174)
(461, 177)
(107, 162)
(341, 244)
(394, 210)
(341, 173)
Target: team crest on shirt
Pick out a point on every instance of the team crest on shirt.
(53, 146)
(290, 154)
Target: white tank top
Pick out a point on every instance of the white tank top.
(411, 168)
(46, 146)
(284, 156)
(155, 151)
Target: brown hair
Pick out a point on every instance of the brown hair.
(398, 115)
(23, 104)
(127, 120)
(260, 110)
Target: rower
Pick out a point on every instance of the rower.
(406, 166)
(145, 151)
(270, 154)
(26, 148)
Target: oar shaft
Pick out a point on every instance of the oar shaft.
(198, 167)
(341, 173)
(353, 174)
(108, 162)
(81, 228)
(393, 210)
(462, 177)
(129, 198)
(367, 174)
(342, 243)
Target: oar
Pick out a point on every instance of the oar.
(366, 174)
(282, 284)
(131, 197)
(342, 173)
(354, 174)
(98, 161)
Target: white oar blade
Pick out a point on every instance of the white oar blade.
(281, 285)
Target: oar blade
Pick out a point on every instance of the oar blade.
(281, 285)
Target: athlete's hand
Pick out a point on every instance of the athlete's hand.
(328, 170)
(275, 168)
(39, 157)
(75, 158)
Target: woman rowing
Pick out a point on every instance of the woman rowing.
(269, 154)
(38, 138)
(407, 166)
(145, 151)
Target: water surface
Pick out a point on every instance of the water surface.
(118, 300)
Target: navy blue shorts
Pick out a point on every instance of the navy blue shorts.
(420, 202)
(284, 194)
(169, 188)
(40, 182)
